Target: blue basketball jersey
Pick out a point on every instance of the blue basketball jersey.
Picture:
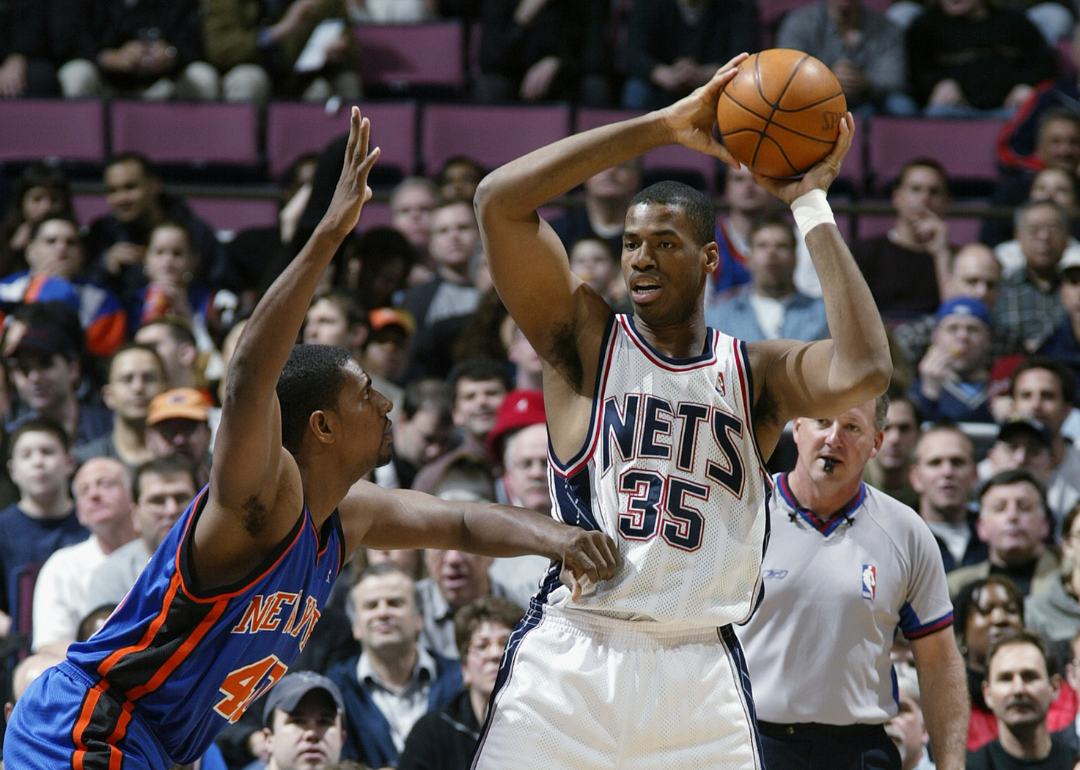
(188, 662)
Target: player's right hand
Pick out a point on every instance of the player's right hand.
(587, 558)
(691, 119)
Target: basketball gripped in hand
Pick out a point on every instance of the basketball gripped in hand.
(781, 112)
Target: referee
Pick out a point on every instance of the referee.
(847, 568)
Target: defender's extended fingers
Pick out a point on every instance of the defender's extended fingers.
(354, 133)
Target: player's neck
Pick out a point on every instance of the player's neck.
(325, 486)
(684, 340)
(825, 498)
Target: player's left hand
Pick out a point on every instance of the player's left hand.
(587, 558)
(691, 119)
(352, 190)
(820, 176)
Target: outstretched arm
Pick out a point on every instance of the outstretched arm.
(250, 467)
(386, 519)
(528, 263)
(827, 377)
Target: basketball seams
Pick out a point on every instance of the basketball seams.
(798, 135)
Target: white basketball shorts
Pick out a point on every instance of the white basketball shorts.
(580, 691)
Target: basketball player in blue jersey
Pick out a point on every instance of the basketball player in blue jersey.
(232, 594)
(658, 430)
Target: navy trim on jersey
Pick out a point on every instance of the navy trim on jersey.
(826, 528)
(602, 366)
(574, 493)
(913, 629)
(735, 650)
(513, 644)
(706, 356)
(183, 556)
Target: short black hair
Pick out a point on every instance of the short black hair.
(1015, 476)
(179, 328)
(162, 466)
(436, 395)
(480, 370)
(127, 348)
(311, 381)
(1065, 376)
(696, 206)
(36, 227)
(39, 425)
(1024, 636)
(133, 157)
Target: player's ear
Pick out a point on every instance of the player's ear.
(712, 256)
(322, 425)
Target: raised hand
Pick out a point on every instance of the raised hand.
(587, 558)
(821, 176)
(691, 119)
(352, 190)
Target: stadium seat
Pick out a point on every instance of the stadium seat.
(67, 130)
(490, 135)
(672, 161)
(400, 57)
(295, 128)
(965, 148)
(195, 133)
(235, 213)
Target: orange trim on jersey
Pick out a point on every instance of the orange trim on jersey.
(151, 630)
(116, 757)
(106, 334)
(85, 715)
(33, 289)
(189, 532)
(181, 654)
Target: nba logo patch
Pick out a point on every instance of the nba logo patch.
(720, 387)
(869, 581)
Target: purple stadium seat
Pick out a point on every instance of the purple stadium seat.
(962, 230)
(187, 132)
(32, 129)
(294, 128)
(964, 147)
(89, 207)
(490, 135)
(672, 157)
(403, 55)
(375, 214)
(235, 213)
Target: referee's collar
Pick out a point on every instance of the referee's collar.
(846, 513)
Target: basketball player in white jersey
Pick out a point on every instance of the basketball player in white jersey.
(658, 427)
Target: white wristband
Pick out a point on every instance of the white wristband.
(812, 209)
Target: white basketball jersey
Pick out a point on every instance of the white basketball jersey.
(671, 471)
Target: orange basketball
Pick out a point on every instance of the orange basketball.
(781, 112)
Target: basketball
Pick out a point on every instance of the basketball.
(781, 112)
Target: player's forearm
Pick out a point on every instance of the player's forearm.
(504, 531)
(860, 356)
(946, 710)
(520, 187)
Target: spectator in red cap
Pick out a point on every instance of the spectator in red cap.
(518, 443)
(177, 426)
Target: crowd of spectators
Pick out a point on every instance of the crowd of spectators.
(117, 332)
(949, 58)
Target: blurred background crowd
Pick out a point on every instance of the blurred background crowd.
(122, 300)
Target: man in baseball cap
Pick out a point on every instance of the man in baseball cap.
(1022, 442)
(177, 426)
(519, 443)
(954, 375)
(303, 723)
